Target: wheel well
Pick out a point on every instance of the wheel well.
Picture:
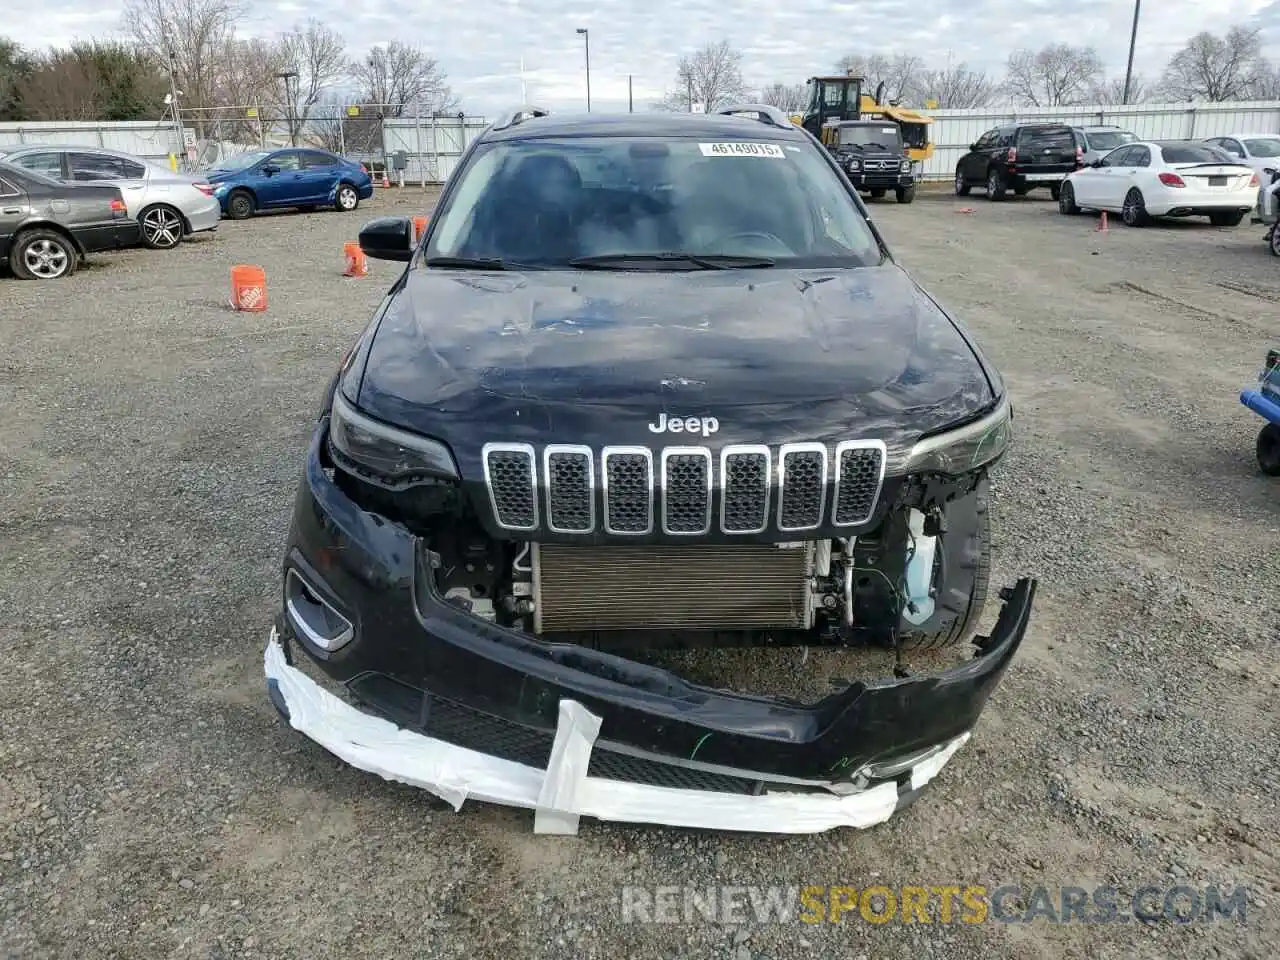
(52, 225)
(245, 190)
(186, 224)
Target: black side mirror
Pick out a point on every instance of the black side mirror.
(270, 169)
(388, 238)
(973, 148)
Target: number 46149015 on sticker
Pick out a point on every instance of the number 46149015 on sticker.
(738, 148)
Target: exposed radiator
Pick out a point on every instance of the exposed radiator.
(686, 587)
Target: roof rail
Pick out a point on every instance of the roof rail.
(758, 111)
(509, 118)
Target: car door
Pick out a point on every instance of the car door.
(1091, 184)
(278, 180)
(320, 171)
(129, 175)
(1137, 161)
(975, 161)
(1117, 177)
(14, 209)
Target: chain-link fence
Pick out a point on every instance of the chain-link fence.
(404, 143)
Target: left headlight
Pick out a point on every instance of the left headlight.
(854, 166)
(906, 166)
(385, 455)
(967, 448)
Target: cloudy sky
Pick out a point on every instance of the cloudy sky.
(479, 43)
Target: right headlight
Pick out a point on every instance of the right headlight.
(966, 448)
(385, 455)
(855, 166)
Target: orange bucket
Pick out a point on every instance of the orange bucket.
(248, 289)
(419, 228)
(357, 266)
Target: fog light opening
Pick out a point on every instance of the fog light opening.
(315, 621)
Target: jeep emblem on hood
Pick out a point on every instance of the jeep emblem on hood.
(706, 425)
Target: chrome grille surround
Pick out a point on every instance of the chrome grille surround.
(630, 487)
(686, 496)
(732, 495)
(570, 472)
(514, 502)
(807, 463)
(856, 497)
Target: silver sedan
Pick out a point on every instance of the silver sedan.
(168, 206)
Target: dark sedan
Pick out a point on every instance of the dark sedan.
(46, 227)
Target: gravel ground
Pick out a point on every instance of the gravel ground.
(151, 804)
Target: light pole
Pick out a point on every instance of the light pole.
(1133, 39)
(286, 76)
(586, 46)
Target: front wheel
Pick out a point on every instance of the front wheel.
(995, 185)
(1134, 211)
(1269, 450)
(1226, 218)
(962, 187)
(1067, 201)
(43, 255)
(1273, 241)
(905, 194)
(346, 199)
(240, 205)
(161, 227)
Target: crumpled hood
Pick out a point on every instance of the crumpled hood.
(864, 345)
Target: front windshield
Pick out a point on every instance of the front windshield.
(1263, 146)
(242, 160)
(546, 202)
(883, 138)
(1109, 140)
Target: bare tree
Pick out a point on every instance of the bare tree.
(318, 55)
(193, 34)
(899, 73)
(1265, 84)
(404, 78)
(1215, 68)
(247, 81)
(1110, 91)
(711, 76)
(955, 87)
(1058, 75)
(789, 97)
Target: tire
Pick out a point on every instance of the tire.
(905, 194)
(42, 254)
(1134, 211)
(1273, 242)
(1067, 201)
(1268, 450)
(347, 198)
(966, 557)
(1055, 191)
(962, 188)
(241, 205)
(162, 227)
(1226, 218)
(877, 194)
(1021, 191)
(995, 185)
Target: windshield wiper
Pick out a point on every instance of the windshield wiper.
(477, 263)
(707, 261)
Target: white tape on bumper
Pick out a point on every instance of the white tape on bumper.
(563, 793)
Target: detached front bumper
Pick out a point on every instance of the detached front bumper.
(465, 708)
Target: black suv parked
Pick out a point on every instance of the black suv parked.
(1019, 157)
(871, 153)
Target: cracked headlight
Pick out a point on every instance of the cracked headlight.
(966, 448)
(382, 454)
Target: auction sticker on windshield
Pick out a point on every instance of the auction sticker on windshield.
(740, 149)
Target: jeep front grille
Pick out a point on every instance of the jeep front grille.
(683, 491)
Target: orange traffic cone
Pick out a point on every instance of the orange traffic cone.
(419, 228)
(248, 289)
(386, 181)
(357, 265)
(1102, 224)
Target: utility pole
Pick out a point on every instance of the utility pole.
(286, 76)
(689, 80)
(586, 43)
(1133, 39)
(630, 103)
(173, 87)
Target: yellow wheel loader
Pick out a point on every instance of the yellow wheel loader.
(837, 98)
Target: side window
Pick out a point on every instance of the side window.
(1007, 137)
(1231, 146)
(316, 160)
(1139, 157)
(1116, 158)
(288, 160)
(95, 166)
(133, 170)
(7, 189)
(50, 164)
(987, 140)
(833, 95)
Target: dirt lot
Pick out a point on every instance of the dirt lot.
(151, 803)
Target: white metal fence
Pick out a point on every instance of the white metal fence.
(954, 130)
(149, 139)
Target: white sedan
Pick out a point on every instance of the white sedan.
(1259, 150)
(1163, 178)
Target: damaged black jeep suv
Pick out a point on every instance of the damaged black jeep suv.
(646, 380)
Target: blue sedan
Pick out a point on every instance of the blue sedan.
(273, 179)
